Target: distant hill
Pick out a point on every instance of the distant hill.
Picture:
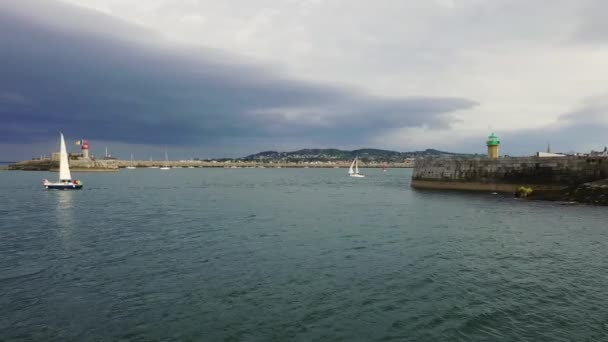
(331, 154)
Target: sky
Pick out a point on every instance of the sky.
(229, 78)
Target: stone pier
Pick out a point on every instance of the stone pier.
(507, 174)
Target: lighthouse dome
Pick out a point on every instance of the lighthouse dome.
(493, 140)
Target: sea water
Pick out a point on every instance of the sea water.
(293, 254)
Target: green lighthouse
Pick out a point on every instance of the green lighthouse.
(493, 144)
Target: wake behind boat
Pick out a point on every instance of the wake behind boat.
(355, 172)
(65, 178)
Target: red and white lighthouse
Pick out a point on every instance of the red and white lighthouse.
(85, 149)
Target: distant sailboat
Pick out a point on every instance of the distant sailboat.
(131, 167)
(166, 167)
(355, 172)
(65, 178)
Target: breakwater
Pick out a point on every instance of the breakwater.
(507, 174)
(53, 165)
(115, 165)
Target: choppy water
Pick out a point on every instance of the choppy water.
(293, 254)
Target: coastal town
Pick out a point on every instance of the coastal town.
(84, 160)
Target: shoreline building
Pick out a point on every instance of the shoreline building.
(603, 153)
(492, 143)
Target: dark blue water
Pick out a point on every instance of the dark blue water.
(293, 254)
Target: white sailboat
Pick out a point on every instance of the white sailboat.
(166, 167)
(65, 177)
(355, 172)
(131, 167)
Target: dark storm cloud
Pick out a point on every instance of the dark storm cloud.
(56, 76)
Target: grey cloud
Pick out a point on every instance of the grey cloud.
(592, 26)
(580, 130)
(91, 84)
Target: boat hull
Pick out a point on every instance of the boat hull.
(356, 175)
(63, 186)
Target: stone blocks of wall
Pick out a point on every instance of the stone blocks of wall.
(506, 174)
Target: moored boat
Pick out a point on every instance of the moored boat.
(166, 166)
(131, 166)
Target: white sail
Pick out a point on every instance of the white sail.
(64, 167)
(355, 172)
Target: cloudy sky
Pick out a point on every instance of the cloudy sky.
(211, 78)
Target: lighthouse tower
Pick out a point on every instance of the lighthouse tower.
(85, 149)
(492, 144)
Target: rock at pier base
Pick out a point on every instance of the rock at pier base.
(523, 192)
(590, 193)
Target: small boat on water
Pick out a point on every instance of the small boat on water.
(65, 178)
(166, 167)
(131, 166)
(355, 172)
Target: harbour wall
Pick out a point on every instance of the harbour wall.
(53, 165)
(116, 164)
(507, 174)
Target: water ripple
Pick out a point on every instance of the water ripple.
(281, 255)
